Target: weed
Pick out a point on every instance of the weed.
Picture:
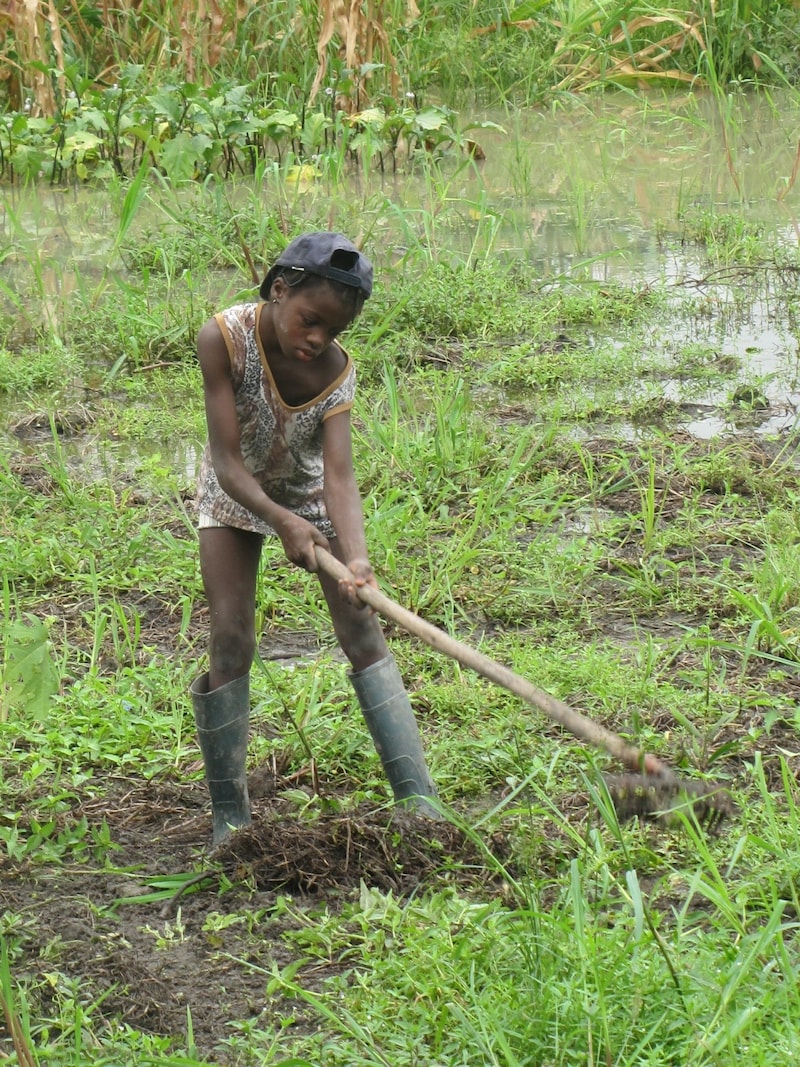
(29, 677)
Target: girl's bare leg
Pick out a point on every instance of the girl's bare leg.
(383, 699)
(229, 561)
(358, 630)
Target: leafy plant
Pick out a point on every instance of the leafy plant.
(29, 676)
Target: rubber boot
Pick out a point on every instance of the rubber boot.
(390, 718)
(223, 725)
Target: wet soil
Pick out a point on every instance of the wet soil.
(142, 934)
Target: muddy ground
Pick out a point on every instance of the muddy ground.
(84, 920)
(145, 964)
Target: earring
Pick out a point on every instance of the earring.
(274, 300)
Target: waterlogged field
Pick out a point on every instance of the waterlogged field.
(576, 436)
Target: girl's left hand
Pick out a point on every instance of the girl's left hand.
(362, 574)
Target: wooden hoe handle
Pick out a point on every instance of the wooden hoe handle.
(578, 725)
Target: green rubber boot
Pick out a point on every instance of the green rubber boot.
(388, 714)
(223, 725)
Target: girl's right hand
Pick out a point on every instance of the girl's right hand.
(361, 574)
(298, 538)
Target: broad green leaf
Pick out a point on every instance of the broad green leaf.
(29, 678)
(80, 145)
(181, 155)
(431, 118)
(167, 103)
(371, 116)
(280, 123)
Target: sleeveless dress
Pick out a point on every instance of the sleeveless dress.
(281, 445)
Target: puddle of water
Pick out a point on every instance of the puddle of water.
(585, 521)
(105, 460)
(599, 176)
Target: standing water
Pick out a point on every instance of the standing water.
(670, 191)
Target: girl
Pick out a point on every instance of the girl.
(278, 392)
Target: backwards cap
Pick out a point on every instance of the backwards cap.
(329, 255)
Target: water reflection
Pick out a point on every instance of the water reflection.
(111, 461)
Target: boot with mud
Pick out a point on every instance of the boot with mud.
(390, 718)
(223, 724)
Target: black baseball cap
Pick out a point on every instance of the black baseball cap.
(330, 255)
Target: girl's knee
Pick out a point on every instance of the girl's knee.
(232, 654)
(363, 644)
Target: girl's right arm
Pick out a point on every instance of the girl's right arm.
(297, 535)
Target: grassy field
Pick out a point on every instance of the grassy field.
(531, 486)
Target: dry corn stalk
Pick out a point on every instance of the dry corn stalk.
(37, 34)
(647, 63)
(201, 32)
(198, 32)
(360, 27)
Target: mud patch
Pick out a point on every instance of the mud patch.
(158, 933)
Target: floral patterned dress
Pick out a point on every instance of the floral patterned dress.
(281, 445)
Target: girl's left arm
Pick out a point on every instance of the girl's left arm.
(343, 499)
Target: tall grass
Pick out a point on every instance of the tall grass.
(362, 55)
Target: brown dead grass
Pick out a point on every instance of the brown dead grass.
(361, 31)
(184, 36)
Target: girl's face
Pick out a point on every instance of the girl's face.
(307, 319)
